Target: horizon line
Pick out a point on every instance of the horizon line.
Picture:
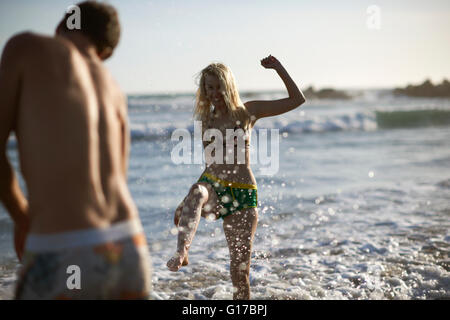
(250, 91)
(279, 90)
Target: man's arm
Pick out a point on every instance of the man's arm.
(125, 137)
(10, 193)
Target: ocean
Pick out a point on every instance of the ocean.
(355, 206)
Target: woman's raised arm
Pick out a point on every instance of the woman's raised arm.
(261, 109)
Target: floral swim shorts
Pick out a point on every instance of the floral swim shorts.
(110, 263)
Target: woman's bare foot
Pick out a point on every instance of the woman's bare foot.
(178, 261)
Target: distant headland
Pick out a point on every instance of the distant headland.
(426, 89)
(326, 93)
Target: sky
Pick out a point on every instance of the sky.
(323, 43)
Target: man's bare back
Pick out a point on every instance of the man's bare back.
(71, 132)
(70, 120)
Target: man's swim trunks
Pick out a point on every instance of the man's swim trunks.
(109, 263)
(233, 196)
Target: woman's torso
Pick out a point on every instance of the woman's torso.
(223, 134)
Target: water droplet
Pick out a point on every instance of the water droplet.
(275, 241)
(156, 246)
(191, 225)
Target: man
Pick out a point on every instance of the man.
(83, 235)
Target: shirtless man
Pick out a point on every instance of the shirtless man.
(70, 120)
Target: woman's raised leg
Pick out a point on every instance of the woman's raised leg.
(188, 220)
(200, 201)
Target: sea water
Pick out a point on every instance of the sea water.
(358, 208)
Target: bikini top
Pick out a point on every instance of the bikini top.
(246, 135)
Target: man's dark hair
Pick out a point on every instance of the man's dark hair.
(99, 22)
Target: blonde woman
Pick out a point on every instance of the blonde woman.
(227, 188)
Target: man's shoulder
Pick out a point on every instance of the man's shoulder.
(26, 40)
(29, 44)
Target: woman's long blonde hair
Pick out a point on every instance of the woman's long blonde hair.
(230, 94)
